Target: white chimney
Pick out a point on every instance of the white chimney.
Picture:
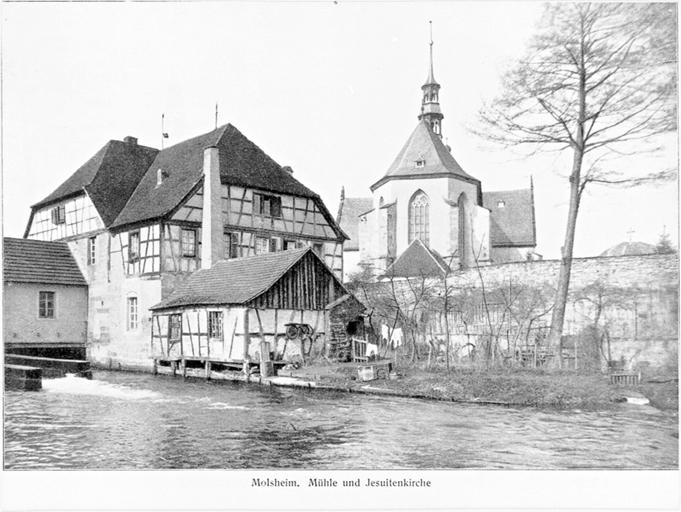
(211, 225)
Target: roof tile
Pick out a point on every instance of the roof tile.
(109, 177)
(348, 217)
(423, 144)
(234, 281)
(418, 260)
(36, 261)
(512, 221)
(241, 163)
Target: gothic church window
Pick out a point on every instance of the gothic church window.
(419, 210)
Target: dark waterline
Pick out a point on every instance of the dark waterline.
(138, 421)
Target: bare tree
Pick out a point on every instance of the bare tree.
(604, 302)
(599, 81)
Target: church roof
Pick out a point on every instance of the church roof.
(424, 145)
(512, 222)
(348, 218)
(417, 260)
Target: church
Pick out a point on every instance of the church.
(427, 214)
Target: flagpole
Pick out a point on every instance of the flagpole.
(216, 115)
(162, 130)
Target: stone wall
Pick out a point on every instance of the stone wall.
(647, 271)
(635, 299)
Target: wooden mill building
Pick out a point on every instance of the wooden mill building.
(140, 220)
(214, 317)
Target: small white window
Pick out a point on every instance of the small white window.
(501, 204)
(46, 304)
(134, 246)
(262, 245)
(132, 313)
(188, 243)
(215, 324)
(420, 163)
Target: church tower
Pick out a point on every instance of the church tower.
(430, 104)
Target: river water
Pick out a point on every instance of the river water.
(135, 421)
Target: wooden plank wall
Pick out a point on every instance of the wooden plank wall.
(306, 286)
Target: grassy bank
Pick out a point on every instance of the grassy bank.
(536, 388)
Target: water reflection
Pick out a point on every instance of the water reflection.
(128, 421)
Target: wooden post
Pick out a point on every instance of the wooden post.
(247, 342)
(155, 370)
(207, 370)
(264, 350)
(231, 341)
(183, 366)
(173, 365)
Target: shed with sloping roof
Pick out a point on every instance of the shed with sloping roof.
(229, 312)
(45, 303)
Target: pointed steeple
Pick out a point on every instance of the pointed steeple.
(430, 103)
(431, 76)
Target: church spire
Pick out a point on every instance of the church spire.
(430, 105)
(431, 76)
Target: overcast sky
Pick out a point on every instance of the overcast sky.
(333, 90)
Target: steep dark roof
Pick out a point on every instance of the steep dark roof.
(35, 261)
(424, 144)
(109, 177)
(418, 260)
(235, 281)
(241, 163)
(512, 224)
(348, 218)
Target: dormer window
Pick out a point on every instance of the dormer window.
(160, 176)
(501, 204)
(420, 163)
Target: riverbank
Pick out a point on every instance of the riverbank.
(517, 387)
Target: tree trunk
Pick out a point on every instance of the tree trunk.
(558, 315)
(448, 340)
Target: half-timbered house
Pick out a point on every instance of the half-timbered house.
(140, 220)
(281, 305)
